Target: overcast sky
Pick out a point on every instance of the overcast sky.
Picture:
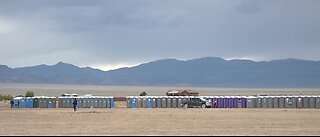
(107, 34)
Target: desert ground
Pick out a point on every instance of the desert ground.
(153, 121)
(148, 121)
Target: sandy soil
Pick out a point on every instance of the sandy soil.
(124, 121)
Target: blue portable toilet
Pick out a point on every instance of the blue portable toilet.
(149, 102)
(16, 101)
(28, 102)
(112, 102)
(134, 101)
(22, 103)
(50, 103)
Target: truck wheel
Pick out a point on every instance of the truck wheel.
(185, 106)
(203, 106)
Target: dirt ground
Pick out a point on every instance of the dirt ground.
(125, 121)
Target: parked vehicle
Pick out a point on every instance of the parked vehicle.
(197, 102)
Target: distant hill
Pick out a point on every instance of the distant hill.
(208, 71)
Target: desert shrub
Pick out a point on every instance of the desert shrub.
(5, 97)
(30, 94)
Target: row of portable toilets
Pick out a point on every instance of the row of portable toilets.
(87, 102)
(34, 102)
(170, 102)
(63, 102)
(227, 101)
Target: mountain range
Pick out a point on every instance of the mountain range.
(206, 72)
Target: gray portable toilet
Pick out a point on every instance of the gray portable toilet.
(317, 102)
(250, 101)
(169, 103)
(84, 102)
(100, 102)
(68, 102)
(139, 102)
(270, 102)
(91, 102)
(128, 99)
(80, 102)
(305, 103)
(282, 101)
(174, 102)
(59, 102)
(275, 101)
(164, 101)
(108, 100)
(158, 101)
(179, 103)
(154, 102)
(144, 101)
(96, 102)
(258, 102)
(312, 102)
(299, 101)
(264, 103)
(43, 102)
(290, 102)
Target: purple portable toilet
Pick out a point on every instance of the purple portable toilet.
(244, 101)
(226, 102)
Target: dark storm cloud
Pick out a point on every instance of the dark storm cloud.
(90, 32)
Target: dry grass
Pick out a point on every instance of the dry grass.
(123, 121)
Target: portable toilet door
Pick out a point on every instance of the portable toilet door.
(133, 102)
(149, 102)
(100, 102)
(244, 102)
(28, 102)
(275, 102)
(174, 102)
(41, 103)
(112, 102)
(312, 102)
(317, 102)
(35, 103)
(96, 102)
(270, 102)
(169, 104)
(22, 103)
(289, 102)
(128, 99)
(80, 102)
(154, 102)
(294, 101)
(164, 102)
(179, 102)
(264, 102)
(238, 102)
(50, 103)
(139, 102)
(158, 102)
(108, 102)
(258, 102)
(305, 101)
(226, 102)
(16, 103)
(144, 102)
(299, 102)
(250, 102)
(282, 101)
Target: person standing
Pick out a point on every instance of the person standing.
(75, 103)
(11, 103)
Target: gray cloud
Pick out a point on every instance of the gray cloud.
(92, 32)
